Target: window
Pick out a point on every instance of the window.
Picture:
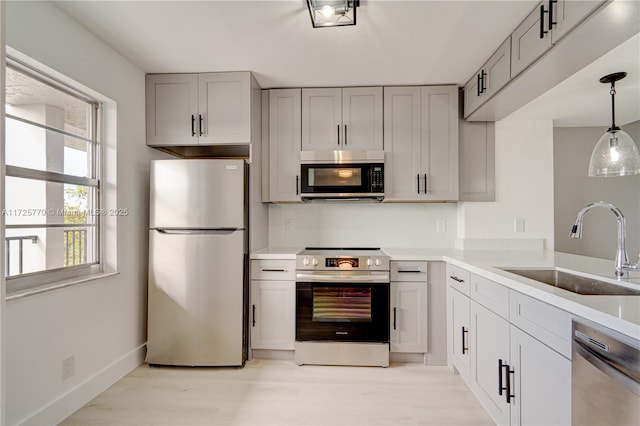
(52, 186)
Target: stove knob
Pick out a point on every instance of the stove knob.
(378, 263)
(305, 261)
(315, 262)
(369, 262)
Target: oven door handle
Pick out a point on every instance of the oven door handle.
(375, 277)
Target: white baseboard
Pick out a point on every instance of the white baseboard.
(65, 405)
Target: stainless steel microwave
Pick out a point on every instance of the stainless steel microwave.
(342, 175)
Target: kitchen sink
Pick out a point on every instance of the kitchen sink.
(575, 283)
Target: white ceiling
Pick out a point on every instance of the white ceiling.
(394, 42)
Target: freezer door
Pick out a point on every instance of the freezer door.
(197, 194)
(196, 298)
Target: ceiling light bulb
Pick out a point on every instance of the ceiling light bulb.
(613, 149)
(328, 11)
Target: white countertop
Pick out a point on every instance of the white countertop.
(620, 313)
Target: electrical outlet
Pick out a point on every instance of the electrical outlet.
(441, 225)
(68, 367)
(518, 224)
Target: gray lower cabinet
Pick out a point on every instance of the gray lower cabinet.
(408, 306)
(517, 348)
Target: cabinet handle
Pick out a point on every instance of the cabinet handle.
(418, 178)
(409, 271)
(478, 85)
(394, 317)
(551, 21)
(273, 270)
(200, 123)
(253, 315)
(426, 187)
(465, 349)
(297, 185)
(542, 30)
(483, 88)
(193, 125)
(345, 135)
(508, 387)
(338, 126)
(453, 277)
(500, 387)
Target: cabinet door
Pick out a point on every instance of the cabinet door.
(477, 161)
(284, 144)
(526, 43)
(568, 13)
(408, 317)
(439, 143)
(472, 96)
(322, 119)
(402, 142)
(225, 107)
(459, 306)
(490, 338)
(273, 324)
(497, 69)
(362, 118)
(172, 109)
(542, 385)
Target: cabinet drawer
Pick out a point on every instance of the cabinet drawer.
(408, 271)
(458, 278)
(273, 269)
(491, 295)
(550, 325)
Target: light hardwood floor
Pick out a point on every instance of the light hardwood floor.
(270, 392)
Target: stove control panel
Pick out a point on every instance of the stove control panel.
(342, 262)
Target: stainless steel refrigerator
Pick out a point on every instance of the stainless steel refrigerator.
(197, 263)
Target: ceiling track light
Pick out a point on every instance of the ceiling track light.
(615, 154)
(332, 13)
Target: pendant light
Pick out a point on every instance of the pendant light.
(615, 154)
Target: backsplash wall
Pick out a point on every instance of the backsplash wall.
(365, 225)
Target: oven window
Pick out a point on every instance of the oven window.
(342, 304)
(342, 176)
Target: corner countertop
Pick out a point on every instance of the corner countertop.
(619, 313)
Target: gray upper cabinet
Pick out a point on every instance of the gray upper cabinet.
(342, 118)
(489, 79)
(421, 141)
(566, 14)
(530, 40)
(477, 161)
(284, 145)
(198, 109)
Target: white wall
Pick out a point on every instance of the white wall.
(102, 323)
(361, 225)
(574, 189)
(524, 190)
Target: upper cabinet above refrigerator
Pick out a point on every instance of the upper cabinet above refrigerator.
(199, 109)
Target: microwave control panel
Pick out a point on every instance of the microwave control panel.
(377, 179)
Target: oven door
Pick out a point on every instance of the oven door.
(342, 307)
(322, 180)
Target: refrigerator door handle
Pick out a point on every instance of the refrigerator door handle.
(218, 231)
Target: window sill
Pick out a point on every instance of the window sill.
(19, 294)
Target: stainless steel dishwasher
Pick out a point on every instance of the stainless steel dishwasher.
(605, 376)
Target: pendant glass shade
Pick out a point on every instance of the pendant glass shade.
(615, 154)
(332, 13)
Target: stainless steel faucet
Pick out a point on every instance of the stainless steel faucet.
(622, 259)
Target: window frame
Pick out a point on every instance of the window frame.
(31, 281)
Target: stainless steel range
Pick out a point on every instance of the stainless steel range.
(342, 306)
